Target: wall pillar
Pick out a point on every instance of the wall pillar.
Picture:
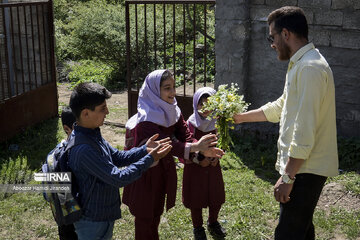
(232, 32)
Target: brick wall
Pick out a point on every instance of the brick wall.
(243, 55)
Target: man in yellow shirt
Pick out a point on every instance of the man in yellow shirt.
(307, 146)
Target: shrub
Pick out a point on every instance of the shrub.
(93, 30)
(91, 71)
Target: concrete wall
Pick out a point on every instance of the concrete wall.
(243, 54)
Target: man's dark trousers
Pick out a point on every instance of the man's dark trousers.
(295, 221)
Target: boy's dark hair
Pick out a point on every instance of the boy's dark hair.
(87, 96)
(165, 76)
(67, 117)
(289, 17)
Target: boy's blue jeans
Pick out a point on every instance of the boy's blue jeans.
(295, 221)
(89, 230)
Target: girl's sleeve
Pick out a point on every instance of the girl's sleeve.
(184, 138)
(181, 137)
(145, 130)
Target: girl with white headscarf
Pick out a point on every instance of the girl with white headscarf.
(203, 184)
(158, 113)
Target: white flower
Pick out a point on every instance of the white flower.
(224, 104)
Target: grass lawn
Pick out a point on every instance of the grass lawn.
(250, 211)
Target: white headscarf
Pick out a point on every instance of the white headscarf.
(195, 119)
(150, 105)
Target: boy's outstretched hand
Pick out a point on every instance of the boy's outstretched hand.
(158, 149)
(151, 143)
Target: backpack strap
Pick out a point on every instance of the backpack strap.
(82, 139)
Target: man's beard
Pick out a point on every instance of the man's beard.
(283, 51)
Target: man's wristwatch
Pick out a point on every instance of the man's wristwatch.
(286, 179)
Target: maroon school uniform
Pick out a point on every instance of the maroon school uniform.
(146, 196)
(202, 186)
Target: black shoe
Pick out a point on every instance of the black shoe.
(199, 233)
(216, 230)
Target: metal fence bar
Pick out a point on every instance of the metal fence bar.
(2, 79)
(205, 45)
(6, 54)
(194, 56)
(51, 40)
(21, 51)
(146, 40)
(155, 36)
(33, 45)
(174, 43)
(184, 49)
(13, 51)
(39, 42)
(128, 77)
(137, 44)
(45, 48)
(164, 20)
(27, 47)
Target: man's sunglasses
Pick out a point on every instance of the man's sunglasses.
(270, 38)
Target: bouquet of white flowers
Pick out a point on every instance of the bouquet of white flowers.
(224, 104)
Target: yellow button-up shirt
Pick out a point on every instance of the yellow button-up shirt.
(306, 112)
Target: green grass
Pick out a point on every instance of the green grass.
(250, 211)
(118, 110)
(338, 221)
(33, 144)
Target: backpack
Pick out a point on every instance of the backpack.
(65, 206)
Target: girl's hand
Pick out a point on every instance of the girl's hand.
(205, 143)
(205, 162)
(214, 162)
(213, 152)
(151, 143)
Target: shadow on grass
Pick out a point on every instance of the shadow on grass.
(258, 152)
(28, 149)
(254, 152)
(349, 154)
